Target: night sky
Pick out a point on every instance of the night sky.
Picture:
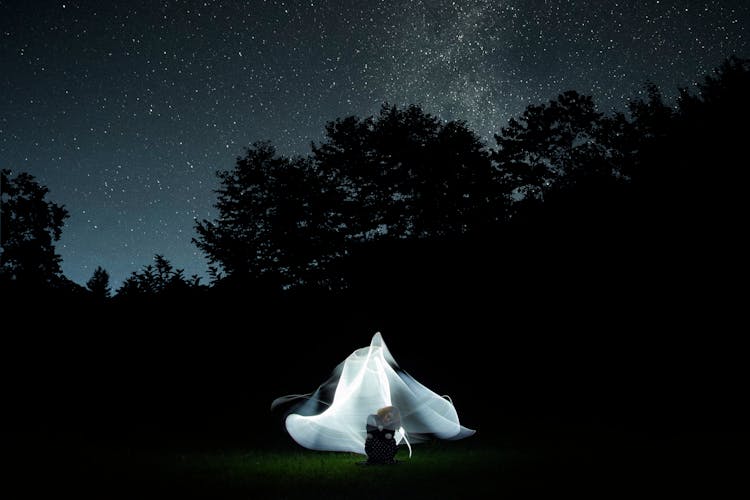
(126, 109)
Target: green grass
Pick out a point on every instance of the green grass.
(604, 465)
(436, 471)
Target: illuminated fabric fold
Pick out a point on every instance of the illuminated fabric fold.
(367, 380)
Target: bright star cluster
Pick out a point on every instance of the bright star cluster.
(126, 109)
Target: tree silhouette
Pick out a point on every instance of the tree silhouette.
(562, 169)
(686, 166)
(722, 92)
(29, 227)
(276, 221)
(405, 174)
(711, 129)
(98, 285)
(402, 175)
(156, 279)
(551, 145)
(563, 163)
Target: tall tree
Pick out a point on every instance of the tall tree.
(405, 174)
(563, 152)
(277, 221)
(98, 285)
(29, 226)
(401, 175)
(692, 174)
(685, 161)
(549, 143)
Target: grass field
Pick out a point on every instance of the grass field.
(606, 466)
(442, 470)
(436, 472)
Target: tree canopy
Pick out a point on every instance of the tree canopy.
(401, 175)
(30, 225)
(669, 174)
(98, 285)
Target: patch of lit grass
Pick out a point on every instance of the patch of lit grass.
(434, 471)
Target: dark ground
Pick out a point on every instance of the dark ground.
(174, 400)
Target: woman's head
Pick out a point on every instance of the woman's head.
(389, 414)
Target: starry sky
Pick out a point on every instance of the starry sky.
(126, 109)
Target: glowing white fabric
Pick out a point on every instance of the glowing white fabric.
(367, 380)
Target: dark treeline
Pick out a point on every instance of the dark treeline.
(582, 269)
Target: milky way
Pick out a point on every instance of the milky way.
(126, 109)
